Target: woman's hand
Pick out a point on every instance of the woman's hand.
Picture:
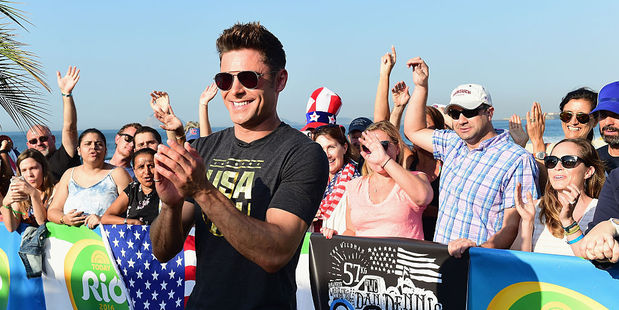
(74, 218)
(92, 221)
(208, 94)
(134, 222)
(400, 94)
(160, 103)
(15, 193)
(568, 198)
(526, 210)
(536, 124)
(377, 155)
(328, 232)
(387, 62)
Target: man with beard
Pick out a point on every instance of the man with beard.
(607, 112)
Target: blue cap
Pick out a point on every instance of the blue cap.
(608, 98)
(192, 134)
(360, 123)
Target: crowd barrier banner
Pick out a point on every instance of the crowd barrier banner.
(380, 273)
(16, 290)
(503, 279)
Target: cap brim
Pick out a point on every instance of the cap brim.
(611, 106)
(313, 125)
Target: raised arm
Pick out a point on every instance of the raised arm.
(69, 114)
(415, 122)
(517, 132)
(207, 95)
(160, 103)
(381, 103)
(400, 96)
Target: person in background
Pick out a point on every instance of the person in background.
(8, 157)
(207, 95)
(138, 204)
(322, 109)
(555, 223)
(146, 137)
(160, 103)
(607, 113)
(86, 191)
(124, 140)
(40, 138)
(192, 134)
(29, 194)
(355, 128)
(481, 167)
(342, 169)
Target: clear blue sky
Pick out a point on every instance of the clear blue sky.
(521, 51)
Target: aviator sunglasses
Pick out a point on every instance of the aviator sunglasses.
(128, 138)
(385, 145)
(581, 117)
(567, 161)
(455, 114)
(41, 139)
(249, 79)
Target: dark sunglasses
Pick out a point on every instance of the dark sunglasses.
(385, 145)
(41, 139)
(455, 114)
(567, 161)
(581, 117)
(249, 79)
(128, 138)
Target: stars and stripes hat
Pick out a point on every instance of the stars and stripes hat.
(322, 108)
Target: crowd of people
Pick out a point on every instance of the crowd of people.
(252, 191)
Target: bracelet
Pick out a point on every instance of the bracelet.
(8, 207)
(62, 220)
(575, 240)
(385, 164)
(567, 229)
(67, 95)
(573, 231)
(125, 222)
(17, 212)
(4, 151)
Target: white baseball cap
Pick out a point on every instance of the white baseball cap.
(469, 96)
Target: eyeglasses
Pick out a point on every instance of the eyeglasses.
(128, 138)
(41, 139)
(567, 161)
(385, 145)
(581, 117)
(249, 79)
(455, 114)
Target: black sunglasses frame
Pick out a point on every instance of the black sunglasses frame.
(455, 114)
(567, 161)
(581, 117)
(128, 138)
(249, 79)
(41, 139)
(385, 145)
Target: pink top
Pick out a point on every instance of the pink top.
(396, 216)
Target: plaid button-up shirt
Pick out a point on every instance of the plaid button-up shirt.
(478, 185)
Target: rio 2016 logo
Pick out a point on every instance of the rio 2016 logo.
(91, 279)
(5, 280)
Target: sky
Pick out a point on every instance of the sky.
(521, 52)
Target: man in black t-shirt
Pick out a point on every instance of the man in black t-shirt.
(39, 137)
(607, 111)
(256, 186)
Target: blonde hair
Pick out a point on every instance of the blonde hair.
(394, 136)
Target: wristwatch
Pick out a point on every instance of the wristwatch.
(540, 155)
(615, 223)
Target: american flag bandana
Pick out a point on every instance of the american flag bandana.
(150, 284)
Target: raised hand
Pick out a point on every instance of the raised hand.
(208, 94)
(568, 198)
(536, 123)
(160, 103)
(420, 71)
(387, 61)
(516, 131)
(68, 81)
(377, 155)
(400, 94)
(526, 210)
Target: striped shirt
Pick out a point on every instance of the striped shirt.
(478, 185)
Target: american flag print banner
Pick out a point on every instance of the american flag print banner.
(150, 284)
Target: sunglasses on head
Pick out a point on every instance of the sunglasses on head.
(249, 79)
(385, 145)
(41, 139)
(581, 117)
(128, 138)
(567, 161)
(455, 114)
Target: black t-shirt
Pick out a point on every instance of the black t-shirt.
(59, 161)
(610, 162)
(608, 201)
(283, 170)
(141, 206)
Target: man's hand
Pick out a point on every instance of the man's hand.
(600, 244)
(420, 71)
(400, 94)
(160, 103)
(516, 131)
(182, 168)
(208, 94)
(68, 81)
(387, 62)
(457, 247)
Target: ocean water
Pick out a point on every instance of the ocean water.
(553, 133)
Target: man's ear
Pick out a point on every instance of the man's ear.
(282, 78)
(490, 112)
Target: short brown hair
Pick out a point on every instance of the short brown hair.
(253, 36)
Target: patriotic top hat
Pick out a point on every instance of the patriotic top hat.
(322, 108)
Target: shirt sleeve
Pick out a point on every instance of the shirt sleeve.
(440, 143)
(526, 173)
(608, 202)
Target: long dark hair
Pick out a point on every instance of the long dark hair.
(47, 186)
(550, 206)
(336, 133)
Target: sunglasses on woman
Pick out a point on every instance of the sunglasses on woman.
(249, 79)
(567, 161)
(581, 117)
(41, 139)
(455, 114)
(385, 145)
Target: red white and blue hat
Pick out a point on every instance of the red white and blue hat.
(192, 134)
(322, 108)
